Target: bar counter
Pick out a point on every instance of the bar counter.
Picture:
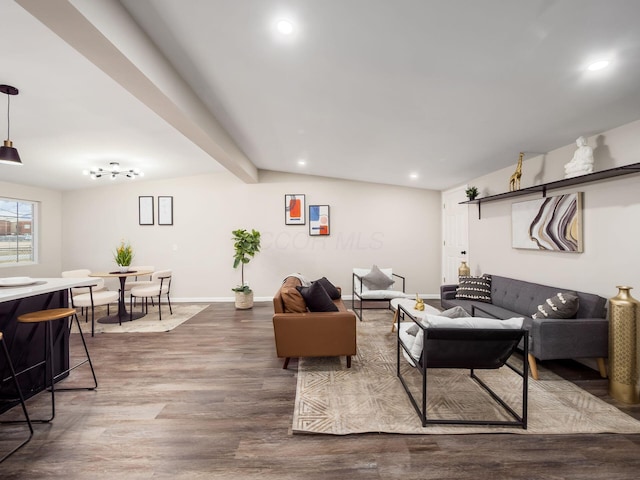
(26, 342)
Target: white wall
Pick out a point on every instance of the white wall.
(611, 221)
(392, 226)
(49, 230)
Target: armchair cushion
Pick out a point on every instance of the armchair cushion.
(376, 279)
(317, 298)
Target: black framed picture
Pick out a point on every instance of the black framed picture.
(319, 220)
(165, 210)
(145, 210)
(294, 209)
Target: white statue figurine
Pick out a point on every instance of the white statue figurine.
(582, 161)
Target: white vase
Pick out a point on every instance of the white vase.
(123, 268)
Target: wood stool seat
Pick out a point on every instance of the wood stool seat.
(45, 317)
(16, 385)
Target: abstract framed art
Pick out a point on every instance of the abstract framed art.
(550, 223)
(294, 209)
(319, 220)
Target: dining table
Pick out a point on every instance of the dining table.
(122, 314)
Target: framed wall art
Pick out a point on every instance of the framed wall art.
(145, 210)
(165, 210)
(294, 209)
(319, 220)
(550, 223)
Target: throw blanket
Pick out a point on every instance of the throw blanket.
(299, 276)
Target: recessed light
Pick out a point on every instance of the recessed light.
(414, 175)
(302, 162)
(599, 65)
(285, 27)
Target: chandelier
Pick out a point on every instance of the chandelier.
(113, 171)
(8, 153)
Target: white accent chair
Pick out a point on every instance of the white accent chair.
(91, 296)
(138, 281)
(160, 285)
(363, 294)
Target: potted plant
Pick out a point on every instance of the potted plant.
(472, 193)
(123, 256)
(246, 245)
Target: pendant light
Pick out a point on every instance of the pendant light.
(8, 154)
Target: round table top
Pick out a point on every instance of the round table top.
(117, 273)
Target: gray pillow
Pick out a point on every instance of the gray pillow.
(474, 288)
(376, 279)
(561, 305)
(455, 312)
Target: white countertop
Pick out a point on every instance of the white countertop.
(42, 285)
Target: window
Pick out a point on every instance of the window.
(17, 231)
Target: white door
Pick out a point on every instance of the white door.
(455, 233)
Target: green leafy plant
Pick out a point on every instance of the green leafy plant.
(123, 254)
(246, 245)
(472, 192)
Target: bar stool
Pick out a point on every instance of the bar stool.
(46, 317)
(20, 396)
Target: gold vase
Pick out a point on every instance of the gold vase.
(464, 269)
(624, 347)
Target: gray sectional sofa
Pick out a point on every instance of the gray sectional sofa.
(585, 336)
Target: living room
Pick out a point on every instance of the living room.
(246, 399)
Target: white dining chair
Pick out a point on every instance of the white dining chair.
(91, 296)
(139, 280)
(160, 285)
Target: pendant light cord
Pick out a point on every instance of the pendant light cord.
(8, 116)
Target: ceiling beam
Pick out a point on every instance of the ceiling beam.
(107, 36)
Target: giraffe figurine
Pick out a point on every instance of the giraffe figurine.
(514, 180)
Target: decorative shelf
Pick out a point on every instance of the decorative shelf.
(566, 182)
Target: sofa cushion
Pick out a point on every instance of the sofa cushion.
(561, 305)
(333, 292)
(317, 298)
(291, 297)
(474, 288)
(377, 279)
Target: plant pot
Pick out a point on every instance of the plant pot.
(244, 301)
(123, 269)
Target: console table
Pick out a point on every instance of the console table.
(25, 342)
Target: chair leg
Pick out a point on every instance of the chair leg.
(88, 360)
(169, 302)
(131, 308)
(602, 367)
(159, 306)
(22, 403)
(533, 366)
(93, 323)
(348, 361)
(286, 363)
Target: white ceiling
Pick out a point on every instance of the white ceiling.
(370, 90)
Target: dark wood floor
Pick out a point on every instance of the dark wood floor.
(210, 400)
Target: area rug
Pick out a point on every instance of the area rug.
(368, 397)
(148, 323)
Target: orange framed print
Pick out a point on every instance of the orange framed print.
(319, 220)
(294, 209)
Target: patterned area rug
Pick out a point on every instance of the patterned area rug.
(148, 323)
(369, 397)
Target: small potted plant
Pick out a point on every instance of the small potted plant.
(123, 256)
(246, 245)
(472, 193)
